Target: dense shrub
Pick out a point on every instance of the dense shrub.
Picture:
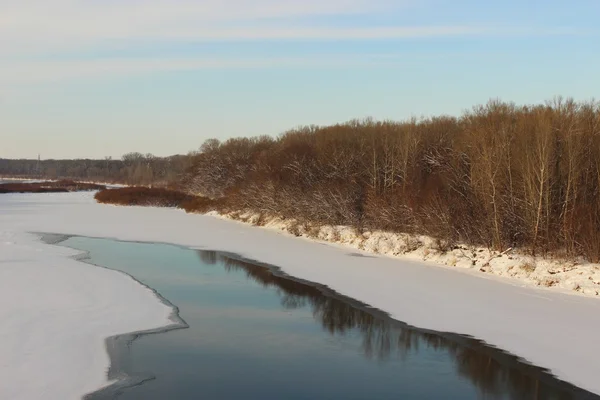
(142, 196)
(159, 197)
(74, 186)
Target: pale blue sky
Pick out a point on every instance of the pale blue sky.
(101, 78)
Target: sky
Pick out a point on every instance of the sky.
(97, 78)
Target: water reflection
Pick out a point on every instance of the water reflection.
(493, 372)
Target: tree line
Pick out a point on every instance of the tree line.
(499, 175)
(132, 168)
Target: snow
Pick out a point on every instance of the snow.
(547, 327)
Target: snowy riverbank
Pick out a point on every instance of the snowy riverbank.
(548, 328)
(567, 275)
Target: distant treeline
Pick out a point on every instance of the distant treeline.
(500, 176)
(132, 168)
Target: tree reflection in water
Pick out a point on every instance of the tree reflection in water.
(495, 373)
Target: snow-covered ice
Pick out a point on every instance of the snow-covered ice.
(548, 328)
(56, 314)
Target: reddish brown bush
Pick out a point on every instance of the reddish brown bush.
(74, 186)
(142, 196)
(159, 197)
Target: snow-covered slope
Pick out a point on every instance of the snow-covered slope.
(548, 328)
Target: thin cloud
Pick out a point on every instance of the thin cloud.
(19, 73)
(32, 27)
